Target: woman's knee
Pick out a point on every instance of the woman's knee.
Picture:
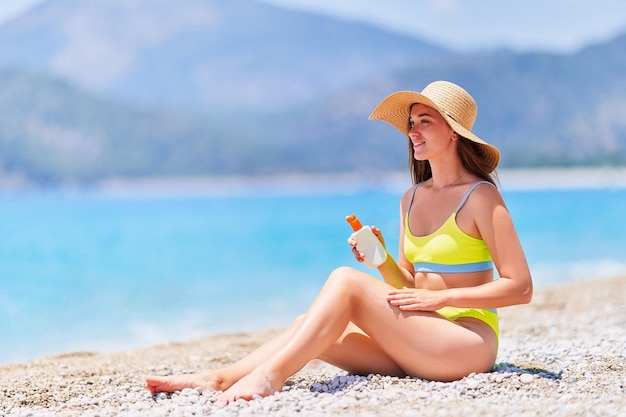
(344, 277)
(343, 273)
(298, 320)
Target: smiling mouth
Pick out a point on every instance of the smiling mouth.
(418, 144)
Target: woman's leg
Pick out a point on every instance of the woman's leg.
(350, 352)
(221, 379)
(418, 343)
(357, 353)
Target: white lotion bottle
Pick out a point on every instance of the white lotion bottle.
(367, 243)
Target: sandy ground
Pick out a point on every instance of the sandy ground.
(563, 354)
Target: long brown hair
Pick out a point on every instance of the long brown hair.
(471, 155)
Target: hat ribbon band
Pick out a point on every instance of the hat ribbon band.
(450, 116)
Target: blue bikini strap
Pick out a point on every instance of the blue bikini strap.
(408, 210)
(470, 192)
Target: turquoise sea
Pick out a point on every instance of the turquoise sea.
(102, 271)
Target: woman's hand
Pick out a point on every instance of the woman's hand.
(414, 299)
(379, 235)
(359, 256)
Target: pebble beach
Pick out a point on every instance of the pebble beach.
(564, 354)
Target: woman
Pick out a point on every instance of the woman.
(434, 315)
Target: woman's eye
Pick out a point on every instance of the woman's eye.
(420, 122)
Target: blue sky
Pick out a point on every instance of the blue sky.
(12, 8)
(469, 25)
(466, 25)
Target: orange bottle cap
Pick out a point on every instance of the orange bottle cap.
(354, 222)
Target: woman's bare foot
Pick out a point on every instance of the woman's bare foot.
(259, 382)
(207, 382)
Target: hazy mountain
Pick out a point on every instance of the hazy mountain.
(156, 87)
(52, 132)
(229, 54)
(540, 109)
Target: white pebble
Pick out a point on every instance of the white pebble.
(473, 384)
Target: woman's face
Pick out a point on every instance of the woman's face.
(429, 132)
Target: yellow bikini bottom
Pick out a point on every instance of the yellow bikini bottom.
(489, 317)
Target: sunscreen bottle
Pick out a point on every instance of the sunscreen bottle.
(367, 243)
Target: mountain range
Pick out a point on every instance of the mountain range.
(111, 88)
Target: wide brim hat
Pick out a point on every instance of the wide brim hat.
(455, 104)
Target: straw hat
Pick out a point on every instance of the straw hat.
(455, 104)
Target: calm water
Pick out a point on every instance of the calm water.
(91, 271)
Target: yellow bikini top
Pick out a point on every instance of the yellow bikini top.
(448, 249)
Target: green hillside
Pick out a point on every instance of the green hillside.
(290, 93)
(52, 132)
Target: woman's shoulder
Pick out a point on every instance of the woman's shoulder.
(484, 195)
(407, 196)
(409, 191)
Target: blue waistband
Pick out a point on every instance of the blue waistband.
(452, 269)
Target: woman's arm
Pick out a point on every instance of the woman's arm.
(495, 226)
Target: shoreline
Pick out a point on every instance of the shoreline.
(511, 180)
(525, 179)
(561, 354)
